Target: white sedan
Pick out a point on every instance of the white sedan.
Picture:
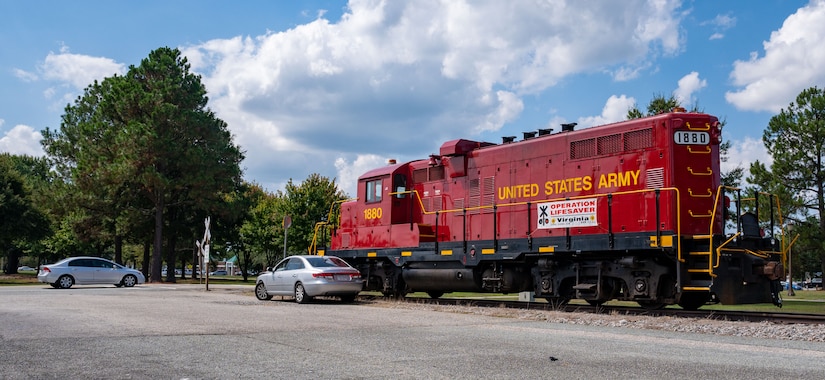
(87, 271)
(308, 276)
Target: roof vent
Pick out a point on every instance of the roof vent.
(545, 131)
(507, 139)
(529, 135)
(568, 127)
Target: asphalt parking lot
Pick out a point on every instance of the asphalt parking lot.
(184, 332)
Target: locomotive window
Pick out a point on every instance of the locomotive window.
(374, 191)
(399, 185)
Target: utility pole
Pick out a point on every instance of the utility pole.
(791, 292)
(287, 223)
(203, 253)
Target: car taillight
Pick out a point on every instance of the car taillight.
(46, 269)
(355, 275)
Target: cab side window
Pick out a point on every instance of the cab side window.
(399, 185)
(374, 191)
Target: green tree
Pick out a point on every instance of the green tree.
(658, 105)
(661, 104)
(145, 142)
(795, 138)
(22, 222)
(262, 230)
(307, 204)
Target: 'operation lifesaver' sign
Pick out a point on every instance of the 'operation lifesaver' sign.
(569, 213)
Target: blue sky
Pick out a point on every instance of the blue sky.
(337, 87)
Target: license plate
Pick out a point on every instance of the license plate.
(342, 277)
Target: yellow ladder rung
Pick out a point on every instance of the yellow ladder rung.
(696, 288)
(708, 195)
(705, 127)
(699, 271)
(709, 171)
(708, 215)
(700, 253)
(703, 151)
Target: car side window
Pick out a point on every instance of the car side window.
(295, 263)
(80, 263)
(281, 266)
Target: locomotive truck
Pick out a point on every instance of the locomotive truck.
(631, 211)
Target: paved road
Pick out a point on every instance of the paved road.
(183, 332)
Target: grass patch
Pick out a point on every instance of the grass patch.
(805, 301)
(22, 278)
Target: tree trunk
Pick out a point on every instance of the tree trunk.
(157, 250)
(13, 260)
(182, 267)
(171, 260)
(195, 263)
(119, 249)
(146, 257)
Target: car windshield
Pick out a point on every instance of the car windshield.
(325, 261)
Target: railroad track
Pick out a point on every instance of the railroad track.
(745, 316)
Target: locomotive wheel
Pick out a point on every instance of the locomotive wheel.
(693, 301)
(435, 294)
(398, 292)
(652, 305)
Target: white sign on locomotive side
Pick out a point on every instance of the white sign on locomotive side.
(568, 213)
(691, 138)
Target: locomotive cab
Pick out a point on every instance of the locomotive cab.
(384, 214)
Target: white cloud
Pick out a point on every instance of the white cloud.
(25, 75)
(792, 62)
(21, 139)
(78, 70)
(743, 153)
(615, 109)
(689, 84)
(719, 24)
(348, 172)
(389, 76)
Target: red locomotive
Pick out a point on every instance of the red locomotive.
(632, 211)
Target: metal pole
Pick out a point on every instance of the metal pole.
(285, 229)
(287, 223)
(790, 275)
(790, 228)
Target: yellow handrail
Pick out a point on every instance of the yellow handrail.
(676, 190)
(784, 250)
(719, 253)
(314, 244)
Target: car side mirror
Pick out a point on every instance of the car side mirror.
(269, 269)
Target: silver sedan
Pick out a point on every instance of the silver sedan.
(308, 276)
(86, 270)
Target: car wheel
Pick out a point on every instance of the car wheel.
(260, 292)
(129, 280)
(301, 294)
(118, 285)
(54, 285)
(65, 281)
